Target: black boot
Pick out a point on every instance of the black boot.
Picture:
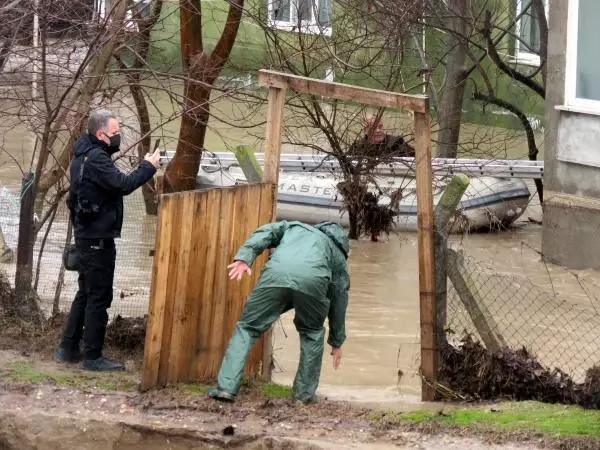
(64, 355)
(102, 364)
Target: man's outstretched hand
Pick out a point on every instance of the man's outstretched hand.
(337, 357)
(237, 270)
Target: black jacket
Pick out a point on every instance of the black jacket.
(97, 205)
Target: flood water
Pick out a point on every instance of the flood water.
(383, 313)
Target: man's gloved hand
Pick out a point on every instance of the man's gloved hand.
(237, 270)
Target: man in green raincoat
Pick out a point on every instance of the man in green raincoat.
(307, 271)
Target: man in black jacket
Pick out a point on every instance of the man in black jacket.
(96, 204)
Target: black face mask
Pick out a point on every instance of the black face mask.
(115, 142)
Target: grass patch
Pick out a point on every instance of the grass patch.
(195, 388)
(22, 372)
(272, 390)
(557, 420)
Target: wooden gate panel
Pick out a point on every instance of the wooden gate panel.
(194, 306)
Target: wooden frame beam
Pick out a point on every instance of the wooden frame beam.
(278, 83)
(367, 96)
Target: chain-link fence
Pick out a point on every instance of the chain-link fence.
(133, 272)
(560, 332)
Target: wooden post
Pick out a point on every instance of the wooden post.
(247, 160)
(425, 221)
(444, 211)
(271, 175)
(465, 287)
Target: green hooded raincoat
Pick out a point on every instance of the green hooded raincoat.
(307, 271)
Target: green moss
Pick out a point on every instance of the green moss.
(273, 390)
(195, 388)
(22, 372)
(557, 420)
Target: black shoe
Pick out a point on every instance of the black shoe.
(63, 355)
(102, 364)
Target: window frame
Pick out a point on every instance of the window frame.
(308, 27)
(571, 99)
(525, 56)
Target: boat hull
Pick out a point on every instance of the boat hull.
(488, 203)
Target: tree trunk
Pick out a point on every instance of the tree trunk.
(202, 70)
(353, 232)
(183, 168)
(26, 305)
(137, 93)
(148, 189)
(450, 110)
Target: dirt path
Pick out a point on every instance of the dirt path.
(41, 411)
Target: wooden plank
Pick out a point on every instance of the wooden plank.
(182, 304)
(239, 220)
(207, 300)
(158, 297)
(221, 281)
(248, 283)
(268, 203)
(425, 220)
(273, 135)
(199, 250)
(170, 275)
(368, 96)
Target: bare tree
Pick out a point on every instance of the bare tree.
(478, 34)
(201, 70)
(355, 52)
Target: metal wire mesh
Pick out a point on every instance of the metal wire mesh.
(560, 332)
(133, 271)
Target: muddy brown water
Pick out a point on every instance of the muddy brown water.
(381, 355)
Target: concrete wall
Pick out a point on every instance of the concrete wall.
(571, 224)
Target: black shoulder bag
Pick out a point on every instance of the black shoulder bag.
(70, 254)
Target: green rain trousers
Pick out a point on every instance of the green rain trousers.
(264, 307)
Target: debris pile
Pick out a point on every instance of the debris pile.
(471, 372)
(127, 333)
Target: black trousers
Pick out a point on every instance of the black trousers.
(88, 317)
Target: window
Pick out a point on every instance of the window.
(582, 86)
(307, 16)
(528, 33)
(103, 9)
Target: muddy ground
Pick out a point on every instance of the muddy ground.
(46, 406)
(51, 406)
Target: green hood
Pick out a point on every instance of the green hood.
(336, 233)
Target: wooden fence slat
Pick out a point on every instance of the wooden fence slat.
(178, 360)
(158, 298)
(198, 270)
(221, 284)
(203, 366)
(235, 289)
(170, 274)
